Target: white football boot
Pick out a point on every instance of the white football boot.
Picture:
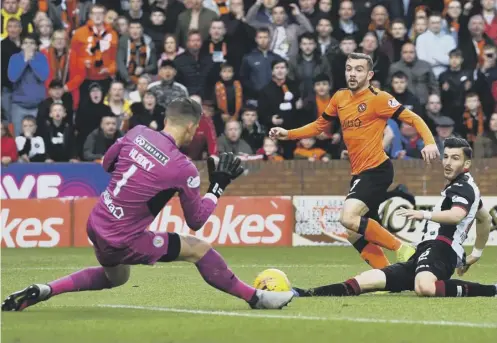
(267, 300)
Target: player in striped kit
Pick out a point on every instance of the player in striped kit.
(429, 270)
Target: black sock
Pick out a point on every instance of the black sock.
(460, 288)
(360, 244)
(347, 288)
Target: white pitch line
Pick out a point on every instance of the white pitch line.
(303, 317)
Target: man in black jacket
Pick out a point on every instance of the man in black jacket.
(101, 139)
(347, 25)
(399, 10)
(381, 63)
(193, 67)
(456, 82)
(89, 115)
(399, 91)
(240, 33)
(255, 71)
(308, 64)
(277, 103)
(472, 36)
(337, 62)
(252, 131)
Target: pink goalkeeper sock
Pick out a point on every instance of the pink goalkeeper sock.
(89, 279)
(217, 274)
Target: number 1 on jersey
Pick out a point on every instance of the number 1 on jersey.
(129, 173)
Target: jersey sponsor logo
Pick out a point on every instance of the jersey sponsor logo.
(141, 160)
(193, 182)
(116, 211)
(351, 123)
(393, 103)
(362, 107)
(151, 149)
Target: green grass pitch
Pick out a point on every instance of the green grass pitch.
(170, 303)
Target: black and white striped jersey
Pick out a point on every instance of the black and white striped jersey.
(462, 192)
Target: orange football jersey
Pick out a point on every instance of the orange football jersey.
(363, 117)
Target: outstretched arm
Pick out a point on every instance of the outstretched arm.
(411, 118)
(387, 106)
(321, 124)
(313, 129)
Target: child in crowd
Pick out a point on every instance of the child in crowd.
(306, 150)
(30, 147)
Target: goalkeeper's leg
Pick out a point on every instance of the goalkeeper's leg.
(216, 273)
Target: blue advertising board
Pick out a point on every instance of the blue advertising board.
(53, 180)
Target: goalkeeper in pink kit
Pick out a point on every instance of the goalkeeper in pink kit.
(147, 171)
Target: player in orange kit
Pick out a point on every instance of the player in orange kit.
(363, 112)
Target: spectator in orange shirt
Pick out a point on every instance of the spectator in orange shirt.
(64, 66)
(95, 45)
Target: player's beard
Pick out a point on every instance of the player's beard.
(357, 85)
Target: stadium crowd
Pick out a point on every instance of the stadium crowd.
(76, 75)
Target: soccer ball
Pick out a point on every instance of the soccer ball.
(272, 280)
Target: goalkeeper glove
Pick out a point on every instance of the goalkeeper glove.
(228, 169)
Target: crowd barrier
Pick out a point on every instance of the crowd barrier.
(237, 221)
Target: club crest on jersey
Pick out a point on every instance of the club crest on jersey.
(151, 149)
(362, 107)
(158, 241)
(193, 182)
(393, 103)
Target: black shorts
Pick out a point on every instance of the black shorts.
(371, 187)
(433, 256)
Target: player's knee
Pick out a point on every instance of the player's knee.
(199, 248)
(119, 275)
(372, 279)
(348, 220)
(121, 280)
(425, 289)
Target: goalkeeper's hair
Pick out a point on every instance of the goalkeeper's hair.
(183, 110)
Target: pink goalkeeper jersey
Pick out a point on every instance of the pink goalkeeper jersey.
(147, 170)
